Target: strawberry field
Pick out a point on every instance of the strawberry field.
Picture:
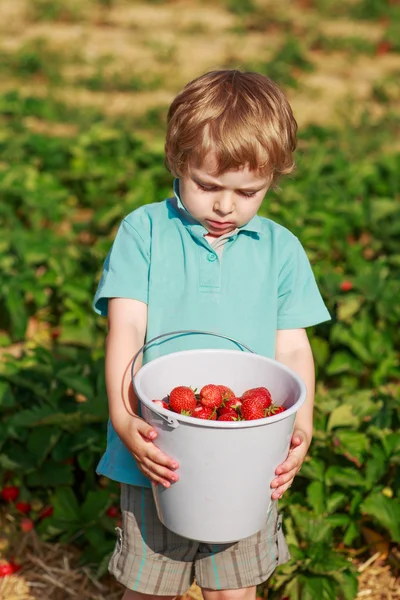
(81, 126)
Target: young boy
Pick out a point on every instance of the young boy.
(205, 260)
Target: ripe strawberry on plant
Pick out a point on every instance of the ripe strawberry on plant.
(23, 507)
(182, 400)
(161, 403)
(211, 395)
(259, 393)
(226, 392)
(27, 525)
(46, 512)
(229, 415)
(10, 493)
(6, 568)
(113, 512)
(253, 409)
(204, 412)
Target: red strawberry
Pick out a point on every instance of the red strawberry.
(10, 493)
(182, 400)
(261, 394)
(161, 403)
(230, 404)
(27, 525)
(23, 507)
(253, 409)
(204, 412)
(6, 568)
(346, 285)
(46, 512)
(113, 512)
(227, 393)
(229, 415)
(211, 395)
(274, 409)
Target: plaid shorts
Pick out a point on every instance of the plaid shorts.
(151, 559)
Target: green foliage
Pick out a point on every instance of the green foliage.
(62, 198)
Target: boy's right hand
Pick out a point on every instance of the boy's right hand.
(138, 437)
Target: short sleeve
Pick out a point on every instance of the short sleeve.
(125, 270)
(299, 301)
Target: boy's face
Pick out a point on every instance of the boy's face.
(221, 204)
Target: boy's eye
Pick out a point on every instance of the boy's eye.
(248, 194)
(213, 189)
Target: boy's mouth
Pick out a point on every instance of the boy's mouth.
(220, 224)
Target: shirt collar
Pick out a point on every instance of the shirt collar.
(253, 226)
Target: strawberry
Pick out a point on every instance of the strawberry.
(161, 403)
(227, 393)
(27, 525)
(182, 400)
(230, 404)
(229, 415)
(261, 394)
(23, 507)
(211, 395)
(46, 512)
(253, 409)
(112, 512)
(346, 285)
(204, 412)
(6, 568)
(10, 493)
(274, 409)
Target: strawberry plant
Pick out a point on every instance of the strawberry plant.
(62, 197)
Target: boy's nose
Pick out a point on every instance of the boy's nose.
(224, 204)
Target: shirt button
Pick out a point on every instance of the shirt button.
(211, 257)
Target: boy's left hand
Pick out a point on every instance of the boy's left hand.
(287, 470)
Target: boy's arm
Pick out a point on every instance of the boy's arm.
(127, 322)
(293, 350)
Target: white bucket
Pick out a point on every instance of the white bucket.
(225, 468)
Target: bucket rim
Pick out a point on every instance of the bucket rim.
(163, 412)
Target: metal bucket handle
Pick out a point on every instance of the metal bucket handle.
(170, 420)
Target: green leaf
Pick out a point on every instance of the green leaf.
(386, 511)
(376, 466)
(77, 382)
(7, 399)
(353, 445)
(335, 500)
(313, 587)
(352, 534)
(343, 476)
(343, 362)
(95, 504)
(66, 507)
(51, 474)
(316, 497)
(348, 584)
(313, 468)
(348, 307)
(342, 416)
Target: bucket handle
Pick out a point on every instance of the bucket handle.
(170, 420)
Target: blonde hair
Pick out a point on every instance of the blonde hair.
(242, 118)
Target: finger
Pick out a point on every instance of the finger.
(291, 463)
(282, 479)
(160, 458)
(297, 440)
(277, 494)
(155, 479)
(160, 471)
(145, 430)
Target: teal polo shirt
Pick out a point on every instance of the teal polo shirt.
(259, 282)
